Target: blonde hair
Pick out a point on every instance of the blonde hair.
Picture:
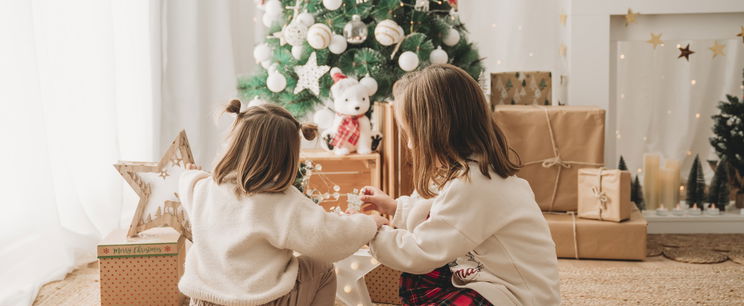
(264, 149)
(444, 115)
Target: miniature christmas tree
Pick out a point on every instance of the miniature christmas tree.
(621, 165)
(718, 193)
(373, 40)
(696, 184)
(636, 194)
(728, 141)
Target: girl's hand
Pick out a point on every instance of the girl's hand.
(379, 200)
(380, 220)
(191, 166)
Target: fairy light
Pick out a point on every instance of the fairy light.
(697, 116)
(531, 54)
(669, 112)
(355, 265)
(679, 46)
(493, 25)
(347, 289)
(645, 138)
(693, 82)
(689, 153)
(622, 56)
(622, 96)
(498, 62)
(519, 28)
(639, 170)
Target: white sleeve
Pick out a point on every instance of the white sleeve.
(401, 213)
(186, 184)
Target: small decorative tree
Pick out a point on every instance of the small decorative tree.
(696, 184)
(729, 141)
(621, 165)
(636, 194)
(718, 193)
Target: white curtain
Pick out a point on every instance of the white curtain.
(90, 82)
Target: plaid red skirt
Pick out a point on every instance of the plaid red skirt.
(435, 288)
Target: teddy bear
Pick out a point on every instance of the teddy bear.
(351, 130)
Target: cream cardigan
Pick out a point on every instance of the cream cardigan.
(242, 248)
(491, 233)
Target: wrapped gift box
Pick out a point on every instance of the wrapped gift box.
(604, 194)
(521, 88)
(143, 270)
(383, 284)
(581, 238)
(349, 172)
(553, 143)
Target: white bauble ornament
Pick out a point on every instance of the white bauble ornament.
(273, 7)
(319, 36)
(297, 51)
(324, 118)
(408, 61)
(266, 64)
(370, 83)
(276, 82)
(355, 31)
(295, 33)
(438, 56)
(338, 44)
(332, 5)
(262, 52)
(269, 20)
(451, 38)
(387, 32)
(306, 19)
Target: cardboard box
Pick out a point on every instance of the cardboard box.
(581, 238)
(397, 163)
(553, 143)
(383, 284)
(143, 270)
(604, 194)
(522, 88)
(348, 172)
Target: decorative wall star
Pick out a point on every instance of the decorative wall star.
(309, 75)
(717, 49)
(655, 40)
(685, 52)
(630, 17)
(156, 184)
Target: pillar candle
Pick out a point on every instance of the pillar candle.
(651, 180)
(674, 166)
(666, 188)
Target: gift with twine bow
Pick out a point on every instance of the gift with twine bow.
(604, 194)
(582, 238)
(553, 143)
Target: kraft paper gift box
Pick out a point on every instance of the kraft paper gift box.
(553, 143)
(604, 194)
(582, 238)
(383, 284)
(143, 270)
(521, 88)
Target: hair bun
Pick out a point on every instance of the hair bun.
(309, 130)
(233, 106)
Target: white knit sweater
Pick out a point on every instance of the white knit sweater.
(242, 252)
(491, 233)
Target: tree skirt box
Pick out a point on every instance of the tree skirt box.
(583, 238)
(553, 143)
(383, 284)
(143, 270)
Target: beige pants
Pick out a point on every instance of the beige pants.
(316, 285)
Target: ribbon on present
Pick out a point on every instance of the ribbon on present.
(556, 160)
(600, 195)
(573, 229)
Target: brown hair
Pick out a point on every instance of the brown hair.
(448, 123)
(264, 149)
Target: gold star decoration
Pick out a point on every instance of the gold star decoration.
(717, 49)
(685, 52)
(655, 40)
(563, 18)
(741, 34)
(630, 17)
(155, 187)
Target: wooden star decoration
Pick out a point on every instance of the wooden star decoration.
(685, 52)
(309, 75)
(717, 49)
(630, 17)
(563, 18)
(655, 40)
(156, 184)
(741, 34)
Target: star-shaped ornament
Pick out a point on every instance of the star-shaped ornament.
(717, 49)
(280, 35)
(630, 17)
(309, 75)
(156, 184)
(685, 52)
(741, 34)
(655, 40)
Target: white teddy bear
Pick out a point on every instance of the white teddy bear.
(351, 130)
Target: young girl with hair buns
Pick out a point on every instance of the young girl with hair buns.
(248, 220)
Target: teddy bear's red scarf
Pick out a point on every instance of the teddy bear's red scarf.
(348, 131)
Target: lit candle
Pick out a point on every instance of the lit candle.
(678, 211)
(661, 211)
(674, 166)
(694, 210)
(650, 180)
(712, 210)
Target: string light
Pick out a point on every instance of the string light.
(355, 265)
(498, 62)
(645, 138)
(519, 28)
(493, 25)
(678, 46)
(697, 116)
(693, 82)
(689, 153)
(347, 289)
(639, 170)
(622, 96)
(622, 56)
(531, 54)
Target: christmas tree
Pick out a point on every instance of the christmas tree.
(728, 141)
(696, 184)
(636, 194)
(621, 165)
(376, 41)
(718, 193)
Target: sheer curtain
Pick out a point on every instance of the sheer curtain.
(90, 82)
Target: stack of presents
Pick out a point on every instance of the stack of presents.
(561, 149)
